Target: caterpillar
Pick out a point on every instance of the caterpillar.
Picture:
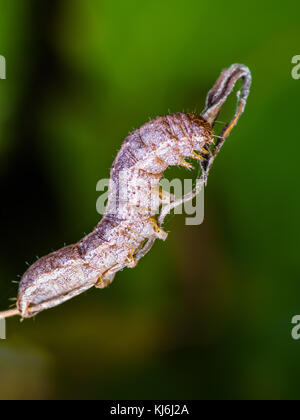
(129, 226)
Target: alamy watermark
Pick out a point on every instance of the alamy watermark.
(2, 329)
(2, 67)
(296, 329)
(128, 194)
(296, 68)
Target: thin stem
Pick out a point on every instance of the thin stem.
(9, 314)
(224, 86)
(214, 102)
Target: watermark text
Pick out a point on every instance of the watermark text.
(296, 68)
(2, 67)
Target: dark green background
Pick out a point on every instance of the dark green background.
(208, 313)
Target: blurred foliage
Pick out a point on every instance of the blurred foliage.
(206, 314)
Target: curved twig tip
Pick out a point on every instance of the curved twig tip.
(222, 89)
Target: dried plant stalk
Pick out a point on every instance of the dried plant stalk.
(123, 237)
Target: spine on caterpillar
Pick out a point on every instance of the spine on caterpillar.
(130, 216)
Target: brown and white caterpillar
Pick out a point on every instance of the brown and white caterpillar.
(127, 231)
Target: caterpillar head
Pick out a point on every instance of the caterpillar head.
(201, 131)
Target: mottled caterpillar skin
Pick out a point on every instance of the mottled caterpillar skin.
(145, 154)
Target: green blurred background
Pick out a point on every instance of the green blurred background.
(206, 315)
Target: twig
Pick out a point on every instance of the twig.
(214, 102)
(9, 314)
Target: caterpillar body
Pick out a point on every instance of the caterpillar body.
(129, 221)
(145, 155)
